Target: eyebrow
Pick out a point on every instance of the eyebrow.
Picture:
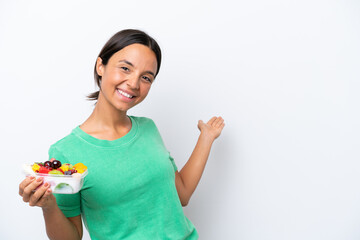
(129, 63)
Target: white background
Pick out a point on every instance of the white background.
(283, 74)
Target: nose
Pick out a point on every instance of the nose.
(133, 82)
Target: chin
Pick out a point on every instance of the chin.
(124, 108)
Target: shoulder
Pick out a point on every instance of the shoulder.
(147, 127)
(143, 122)
(69, 139)
(65, 145)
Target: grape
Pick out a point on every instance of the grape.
(47, 164)
(56, 164)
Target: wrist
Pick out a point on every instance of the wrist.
(49, 209)
(206, 138)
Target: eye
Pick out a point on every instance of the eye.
(125, 69)
(147, 79)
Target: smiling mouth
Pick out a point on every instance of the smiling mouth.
(125, 94)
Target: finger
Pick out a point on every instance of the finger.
(28, 191)
(211, 121)
(48, 192)
(25, 183)
(39, 193)
(45, 197)
(218, 122)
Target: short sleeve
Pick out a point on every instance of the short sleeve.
(69, 204)
(173, 163)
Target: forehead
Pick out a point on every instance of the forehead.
(139, 55)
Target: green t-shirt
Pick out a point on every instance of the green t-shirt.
(129, 192)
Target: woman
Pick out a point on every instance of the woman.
(133, 189)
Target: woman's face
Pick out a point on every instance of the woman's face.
(127, 77)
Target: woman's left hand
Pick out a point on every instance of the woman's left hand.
(212, 128)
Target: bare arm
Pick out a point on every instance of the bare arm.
(188, 178)
(57, 225)
(60, 227)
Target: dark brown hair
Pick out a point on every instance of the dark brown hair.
(119, 41)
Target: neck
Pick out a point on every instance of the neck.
(106, 117)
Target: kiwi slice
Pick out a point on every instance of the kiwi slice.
(63, 188)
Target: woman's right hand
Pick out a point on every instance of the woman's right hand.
(37, 195)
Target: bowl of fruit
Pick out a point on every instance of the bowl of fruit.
(63, 178)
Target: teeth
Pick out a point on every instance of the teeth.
(125, 94)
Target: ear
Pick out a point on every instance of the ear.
(99, 66)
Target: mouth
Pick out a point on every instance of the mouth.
(127, 95)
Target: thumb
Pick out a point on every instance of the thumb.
(200, 124)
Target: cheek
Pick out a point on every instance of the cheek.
(145, 90)
(114, 75)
